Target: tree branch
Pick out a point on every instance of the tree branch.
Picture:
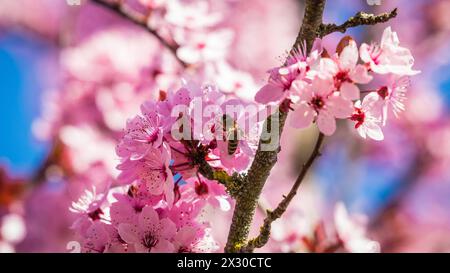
(233, 183)
(361, 18)
(264, 161)
(141, 20)
(264, 234)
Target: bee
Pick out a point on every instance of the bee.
(230, 133)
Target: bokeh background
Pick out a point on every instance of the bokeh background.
(71, 75)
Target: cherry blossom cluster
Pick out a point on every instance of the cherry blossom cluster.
(202, 42)
(345, 233)
(161, 194)
(129, 219)
(320, 88)
(107, 84)
(156, 202)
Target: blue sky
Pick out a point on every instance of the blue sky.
(20, 101)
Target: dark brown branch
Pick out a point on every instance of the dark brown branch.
(140, 20)
(264, 234)
(361, 18)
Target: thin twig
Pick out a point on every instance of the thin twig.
(264, 234)
(361, 18)
(140, 20)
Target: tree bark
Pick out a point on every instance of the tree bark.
(264, 161)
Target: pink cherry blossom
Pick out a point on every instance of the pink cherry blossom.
(89, 209)
(389, 56)
(392, 96)
(184, 213)
(96, 239)
(181, 161)
(189, 240)
(149, 233)
(169, 102)
(299, 54)
(319, 103)
(351, 231)
(280, 83)
(185, 239)
(346, 71)
(128, 204)
(207, 191)
(142, 133)
(367, 117)
(281, 78)
(152, 170)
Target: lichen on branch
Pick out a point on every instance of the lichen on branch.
(361, 18)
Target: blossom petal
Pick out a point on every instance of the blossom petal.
(362, 132)
(269, 93)
(223, 203)
(182, 96)
(349, 56)
(349, 91)
(168, 229)
(140, 248)
(155, 181)
(364, 53)
(360, 74)
(148, 219)
(374, 131)
(163, 246)
(302, 116)
(168, 190)
(326, 123)
(322, 87)
(128, 233)
(185, 236)
(340, 107)
(327, 68)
